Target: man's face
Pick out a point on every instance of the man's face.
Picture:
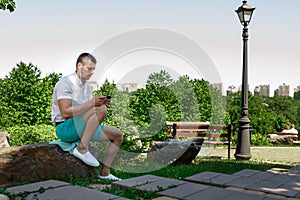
(86, 69)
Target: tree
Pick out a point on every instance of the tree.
(7, 5)
(297, 95)
(161, 79)
(26, 97)
(201, 89)
(184, 91)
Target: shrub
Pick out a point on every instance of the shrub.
(22, 135)
(260, 140)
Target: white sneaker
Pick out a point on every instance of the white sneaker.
(86, 157)
(110, 177)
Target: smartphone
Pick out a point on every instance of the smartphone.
(107, 96)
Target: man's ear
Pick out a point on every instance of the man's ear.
(79, 66)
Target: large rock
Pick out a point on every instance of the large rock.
(39, 162)
(281, 139)
(175, 151)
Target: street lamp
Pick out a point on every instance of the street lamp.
(243, 141)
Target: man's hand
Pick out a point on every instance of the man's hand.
(107, 102)
(99, 100)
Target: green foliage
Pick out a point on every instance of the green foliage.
(161, 79)
(187, 100)
(260, 140)
(297, 95)
(25, 97)
(22, 135)
(7, 5)
(201, 89)
(266, 114)
(145, 112)
(25, 100)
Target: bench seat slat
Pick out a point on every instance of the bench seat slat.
(216, 142)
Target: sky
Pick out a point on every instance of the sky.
(200, 38)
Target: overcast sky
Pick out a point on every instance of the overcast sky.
(51, 35)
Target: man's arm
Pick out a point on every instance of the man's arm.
(69, 111)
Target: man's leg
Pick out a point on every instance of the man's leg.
(93, 118)
(115, 137)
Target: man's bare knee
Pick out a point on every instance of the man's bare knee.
(101, 111)
(119, 135)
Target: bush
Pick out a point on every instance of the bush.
(260, 140)
(22, 135)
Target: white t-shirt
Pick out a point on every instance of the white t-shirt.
(293, 130)
(69, 87)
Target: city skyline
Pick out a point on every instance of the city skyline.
(52, 34)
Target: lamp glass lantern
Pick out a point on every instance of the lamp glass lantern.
(245, 13)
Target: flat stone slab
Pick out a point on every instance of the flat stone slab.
(223, 179)
(289, 189)
(194, 191)
(264, 175)
(247, 172)
(137, 181)
(160, 185)
(203, 177)
(282, 178)
(295, 171)
(212, 178)
(243, 182)
(265, 182)
(53, 189)
(72, 192)
(148, 183)
(184, 190)
(263, 185)
(245, 196)
(35, 187)
(211, 193)
(164, 198)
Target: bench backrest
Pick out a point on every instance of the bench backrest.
(198, 129)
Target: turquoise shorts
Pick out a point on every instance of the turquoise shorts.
(72, 129)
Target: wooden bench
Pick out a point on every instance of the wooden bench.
(211, 133)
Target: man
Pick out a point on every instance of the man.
(293, 130)
(78, 116)
(286, 129)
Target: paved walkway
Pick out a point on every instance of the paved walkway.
(245, 184)
(274, 154)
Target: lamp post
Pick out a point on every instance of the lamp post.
(243, 141)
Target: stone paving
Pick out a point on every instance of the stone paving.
(242, 185)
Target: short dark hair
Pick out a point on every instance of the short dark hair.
(82, 56)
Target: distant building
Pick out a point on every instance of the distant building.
(262, 90)
(284, 90)
(218, 86)
(232, 89)
(128, 87)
